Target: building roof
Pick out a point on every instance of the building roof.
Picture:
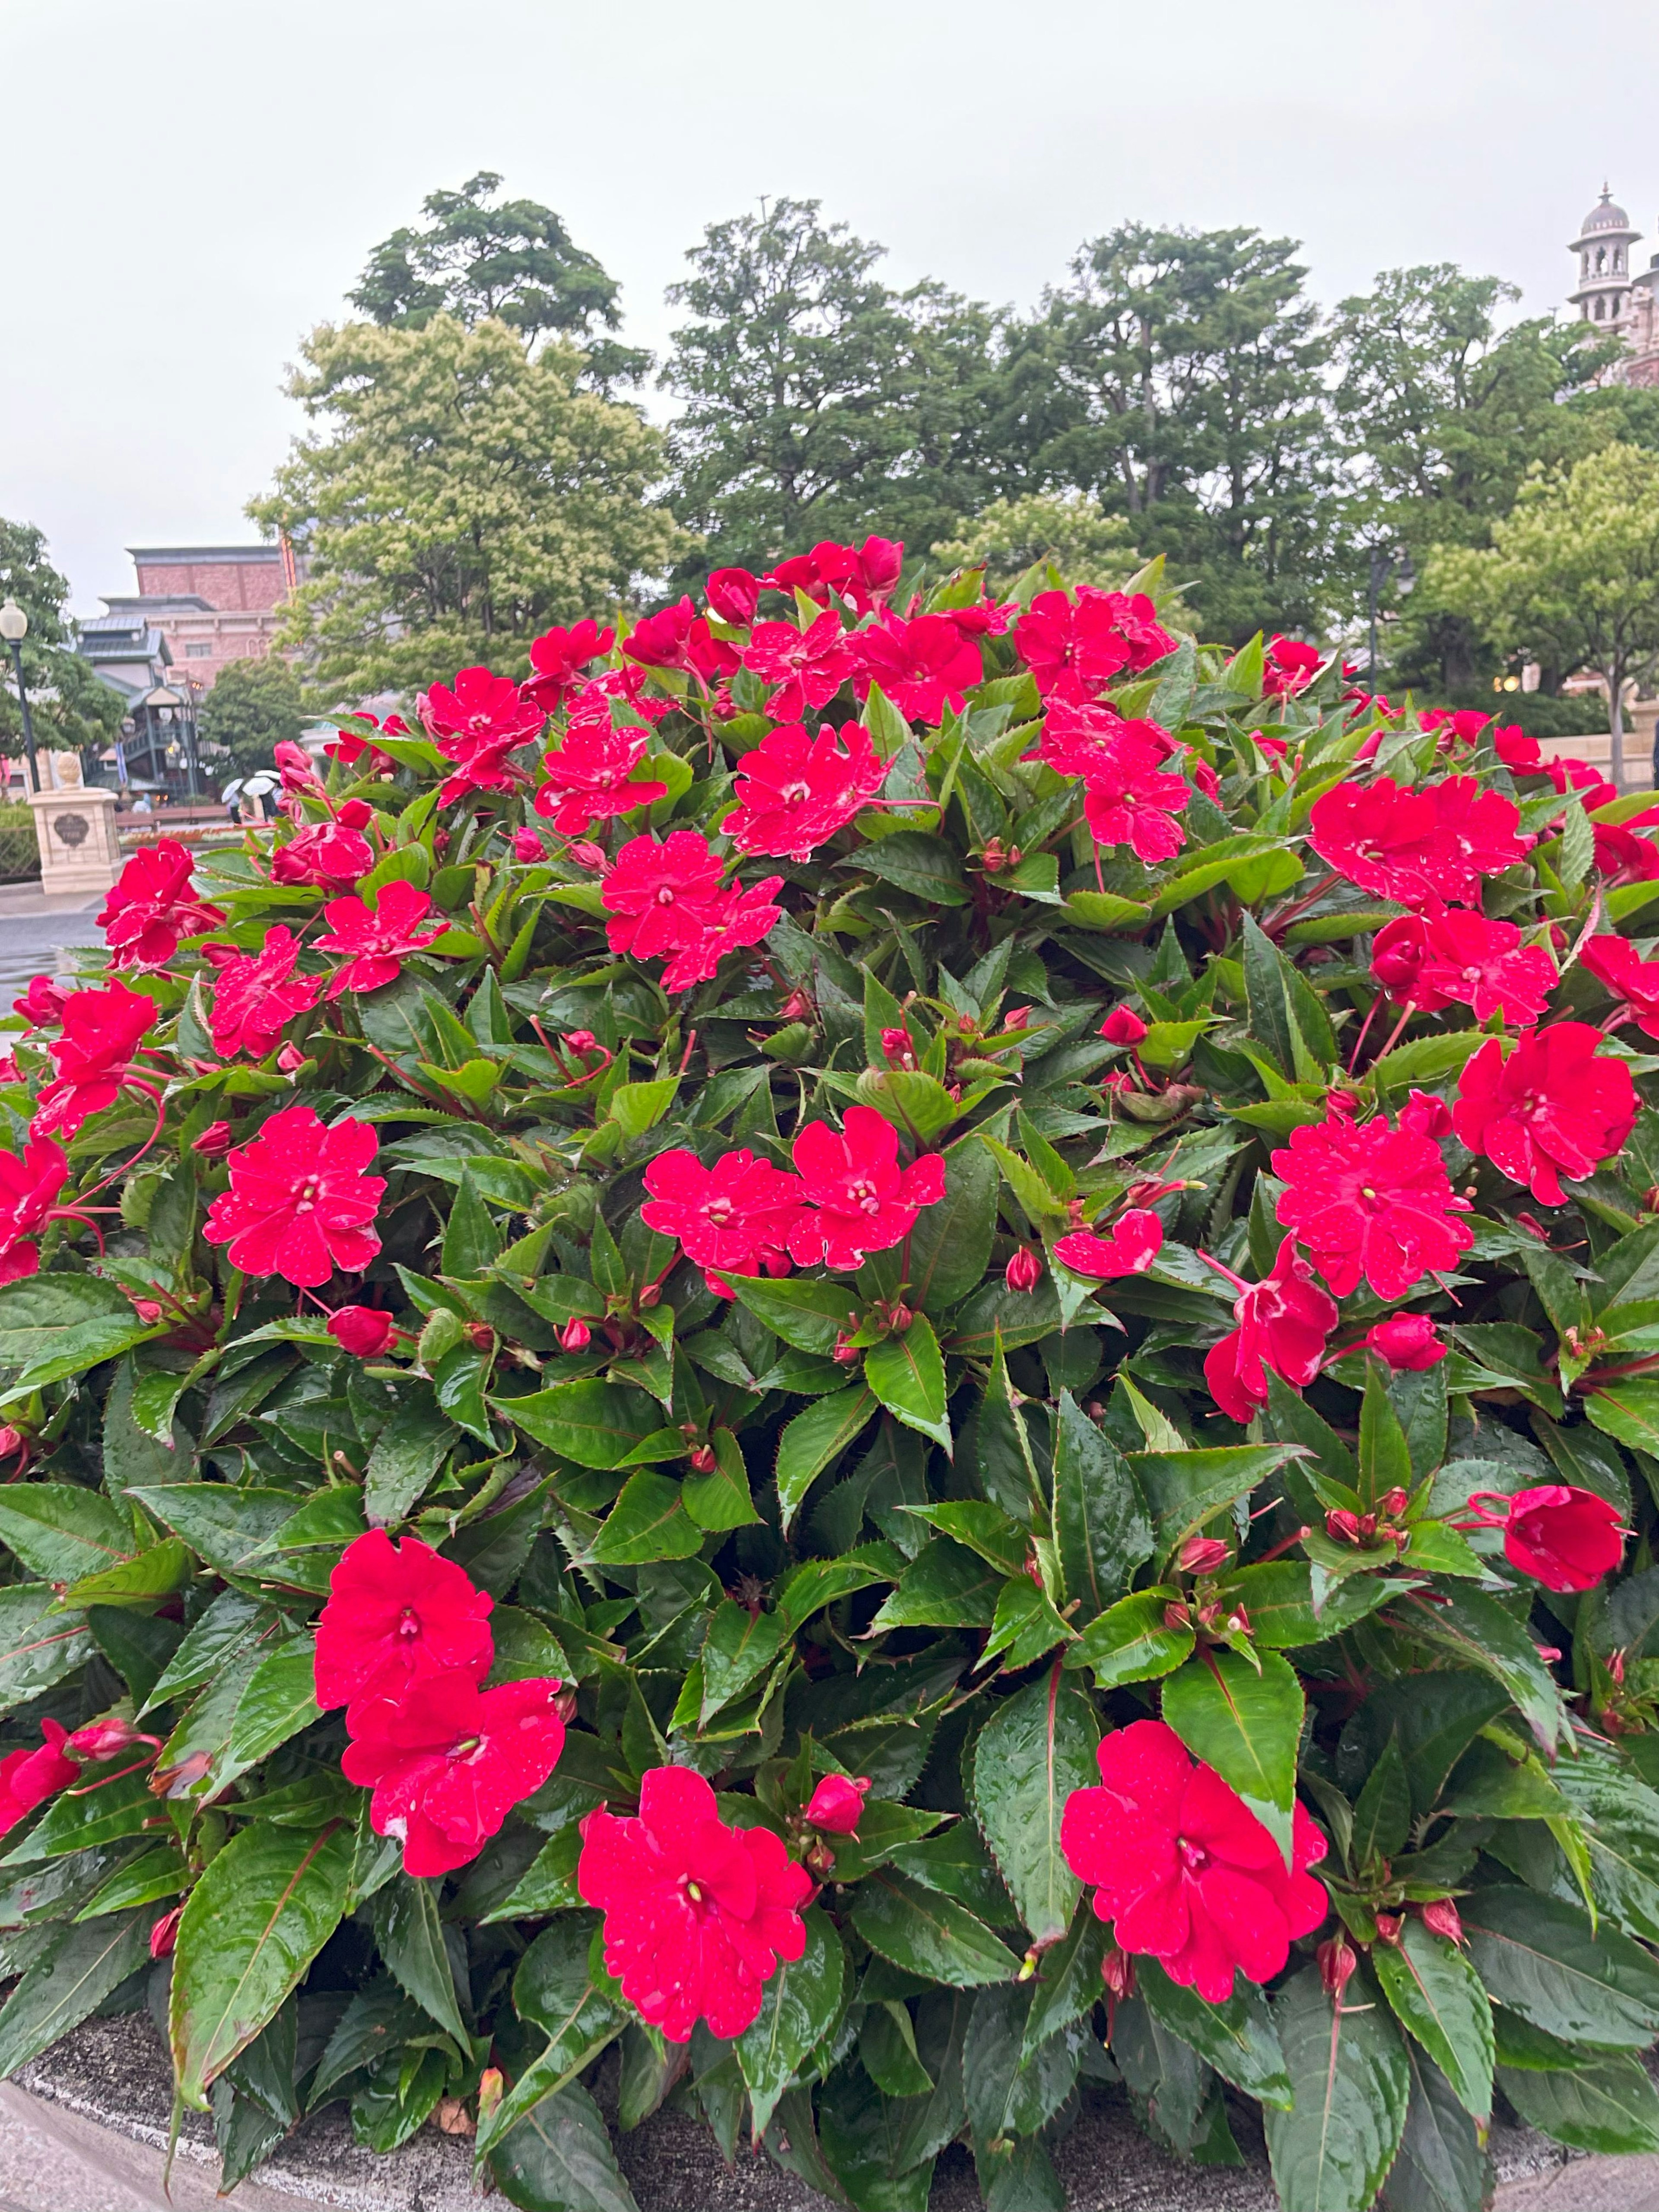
(260, 556)
(1607, 214)
(158, 603)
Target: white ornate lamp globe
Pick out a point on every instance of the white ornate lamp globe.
(13, 623)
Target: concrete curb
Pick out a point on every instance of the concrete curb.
(105, 2094)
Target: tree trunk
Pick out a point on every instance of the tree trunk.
(1615, 680)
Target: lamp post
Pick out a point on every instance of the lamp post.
(172, 709)
(14, 628)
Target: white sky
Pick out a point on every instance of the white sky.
(189, 184)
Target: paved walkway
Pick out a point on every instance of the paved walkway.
(40, 935)
(39, 2175)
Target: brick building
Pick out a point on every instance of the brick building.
(211, 604)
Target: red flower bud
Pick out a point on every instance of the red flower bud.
(528, 846)
(704, 1460)
(104, 1737)
(1440, 1917)
(1117, 1970)
(11, 1440)
(165, 1933)
(213, 1142)
(837, 1804)
(846, 1354)
(586, 854)
(1202, 1555)
(575, 1335)
(1409, 1343)
(896, 1043)
(1389, 1925)
(480, 1335)
(290, 1059)
(148, 1311)
(1024, 1269)
(1338, 1962)
(363, 1331)
(899, 1317)
(1016, 1017)
(1122, 1026)
(580, 1042)
(1395, 1502)
(797, 1008)
(1344, 1527)
(355, 814)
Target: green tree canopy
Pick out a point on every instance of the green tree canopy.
(254, 706)
(461, 495)
(1571, 577)
(820, 402)
(71, 708)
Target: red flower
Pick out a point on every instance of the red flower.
(1184, 1868)
(836, 1805)
(559, 657)
(349, 747)
(865, 1202)
(363, 1331)
(1616, 962)
(397, 1612)
(27, 1778)
(333, 855)
(1075, 650)
(1519, 753)
(1136, 1241)
(1564, 1537)
(447, 1766)
(151, 906)
(102, 1030)
(696, 1914)
(379, 938)
(1408, 1342)
(1289, 666)
(1368, 1200)
(1374, 834)
(593, 698)
(922, 665)
(1123, 1026)
(1127, 800)
(28, 1196)
(1464, 724)
(1552, 1108)
(659, 894)
(1569, 774)
(1476, 833)
(734, 917)
(865, 577)
(1443, 958)
(588, 776)
(1284, 1323)
(255, 995)
(481, 707)
(733, 595)
(808, 666)
(1425, 1115)
(794, 791)
(1623, 857)
(299, 1204)
(734, 1217)
(43, 1003)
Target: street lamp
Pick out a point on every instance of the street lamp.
(167, 708)
(14, 628)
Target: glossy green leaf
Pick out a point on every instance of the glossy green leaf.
(1438, 1996)
(1101, 1523)
(1246, 1724)
(1238, 2038)
(1351, 2084)
(68, 1981)
(816, 1437)
(927, 1933)
(1539, 1957)
(907, 1375)
(801, 2004)
(1132, 1641)
(1035, 1749)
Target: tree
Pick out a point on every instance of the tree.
(515, 262)
(464, 495)
(1067, 527)
(1571, 574)
(1445, 414)
(252, 707)
(819, 402)
(71, 709)
(1178, 379)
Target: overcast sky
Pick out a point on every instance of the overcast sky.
(188, 186)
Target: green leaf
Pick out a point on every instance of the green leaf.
(1438, 1996)
(924, 1933)
(595, 1423)
(1035, 1749)
(648, 1522)
(739, 1646)
(1442, 2165)
(1238, 2038)
(38, 1645)
(1184, 1488)
(471, 1243)
(1606, 2104)
(278, 1702)
(721, 1499)
(1350, 2083)
(950, 1247)
(801, 2006)
(637, 1106)
(1383, 1811)
(1100, 1524)
(816, 1437)
(1483, 1635)
(1541, 1958)
(923, 865)
(1068, 1983)
(92, 1814)
(412, 1941)
(57, 1325)
(264, 1908)
(907, 1375)
(1038, 1202)
(559, 2159)
(235, 1530)
(1385, 1460)
(164, 1568)
(1247, 1725)
(68, 1981)
(62, 1532)
(809, 1315)
(1131, 1641)
(944, 1586)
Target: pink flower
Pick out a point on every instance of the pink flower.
(1408, 1342)
(659, 894)
(332, 856)
(588, 776)
(448, 1765)
(678, 637)
(1135, 1241)
(1519, 753)
(152, 906)
(27, 1778)
(1404, 844)
(794, 791)
(379, 938)
(836, 1805)
(733, 918)
(42, 1005)
(1123, 1026)
(481, 706)
(1616, 962)
(1463, 724)
(696, 1914)
(1126, 798)
(1623, 857)
(1552, 1107)
(1024, 1269)
(397, 1614)
(734, 1217)
(1564, 1537)
(1289, 666)
(363, 1331)
(866, 577)
(299, 1204)
(29, 1189)
(1183, 1869)
(1075, 650)
(1370, 1201)
(1284, 1323)
(863, 1201)
(254, 996)
(1441, 958)
(808, 666)
(559, 659)
(1476, 833)
(923, 666)
(349, 747)
(102, 1030)
(733, 596)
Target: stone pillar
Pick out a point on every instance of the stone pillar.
(80, 850)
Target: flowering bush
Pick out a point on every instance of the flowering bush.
(861, 1361)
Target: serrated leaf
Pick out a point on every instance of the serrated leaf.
(1035, 1749)
(1351, 2085)
(800, 2005)
(1437, 1997)
(907, 1375)
(1247, 1725)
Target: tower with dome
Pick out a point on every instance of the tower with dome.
(1612, 293)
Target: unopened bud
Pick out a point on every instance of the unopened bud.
(213, 1142)
(579, 1041)
(11, 1440)
(704, 1460)
(845, 1353)
(148, 1311)
(899, 1317)
(1440, 1917)
(1389, 1925)
(1338, 1963)
(1024, 1269)
(492, 2088)
(649, 1297)
(165, 1933)
(290, 1059)
(1202, 1555)
(1343, 1527)
(575, 1335)
(103, 1738)
(1123, 1026)
(1395, 1503)
(480, 1335)
(586, 854)
(1117, 1970)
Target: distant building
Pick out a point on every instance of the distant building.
(1613, 295)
